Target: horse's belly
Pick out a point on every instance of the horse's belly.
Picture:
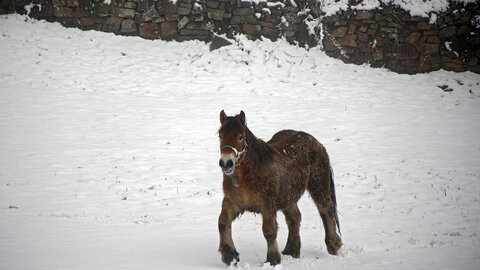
(246, 200)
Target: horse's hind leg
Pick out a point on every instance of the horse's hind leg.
(227, 248)
(293, 218)
(322, 190)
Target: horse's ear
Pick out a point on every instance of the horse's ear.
(241, 117)
(223, 117)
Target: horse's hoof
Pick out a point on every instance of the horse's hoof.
(292, 252)
(333, 245)
(274, 260)
(229, 256)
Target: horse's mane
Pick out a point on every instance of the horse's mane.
(258, 149)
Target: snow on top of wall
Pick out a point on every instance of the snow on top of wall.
(420, 8)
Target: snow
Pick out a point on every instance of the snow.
(109, 153)
(422, 8)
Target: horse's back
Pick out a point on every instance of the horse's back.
(288, 139)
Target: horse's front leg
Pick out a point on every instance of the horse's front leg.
(270, 227)
(227, 248)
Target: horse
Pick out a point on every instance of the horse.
(265, 177)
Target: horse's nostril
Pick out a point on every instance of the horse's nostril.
(225, 164)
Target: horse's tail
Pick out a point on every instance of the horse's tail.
(334, 200)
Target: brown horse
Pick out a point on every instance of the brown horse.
(266, 177)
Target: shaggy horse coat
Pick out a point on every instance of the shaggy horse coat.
(264, 177)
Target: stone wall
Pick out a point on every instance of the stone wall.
(152, 19)
(390, 37)
(385, 37)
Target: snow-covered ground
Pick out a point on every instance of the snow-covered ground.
(109, 153)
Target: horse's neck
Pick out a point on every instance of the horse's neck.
(258, 151)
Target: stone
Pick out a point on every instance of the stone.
(199, 26)
(142, 6)
(172, 17)
(181, 24)
(81, 12)
(270, 33)
(168, 29)
(473, 61)
(339, 31)
(407, 51)
(72, 3)
(292, 18)
(464, 29)
(433, 39)
(169, 7)
(291, 9)
(198, 17)
(105, 10)
(452, 64)
(268, 24)
(125, 13)
(252, 30)
(388, 29)
(409, 63)
(413, 37)
(430, 48)
(362, 37)
(227, 15)
(245, 4)
(329, 45)
(351, 29)
(430, 33)
(212, 4)
(149, 30)
(183, 10)
(447, 33)
(365, 47)
(424, 26)
(129, 27)
(218, 42)
(363, 28)
(377, 55)
(364, 15)
(348, 41)
(474, 40)
(158, 20)
(149, 14)
(112, 24)
(194, 32)
(371, 32)
(289, 33)
(243, 11)
(185, 4)
(427, 59)
(244, 20)
(131, 5)
(87, 21)
(64, 12)
(216, 14)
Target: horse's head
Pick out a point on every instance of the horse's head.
(233, 141)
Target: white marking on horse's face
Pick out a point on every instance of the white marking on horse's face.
(227, 161)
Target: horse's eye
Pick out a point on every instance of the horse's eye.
(220, 137)
(240, 138)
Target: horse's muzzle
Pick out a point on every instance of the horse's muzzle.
(226, 163)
